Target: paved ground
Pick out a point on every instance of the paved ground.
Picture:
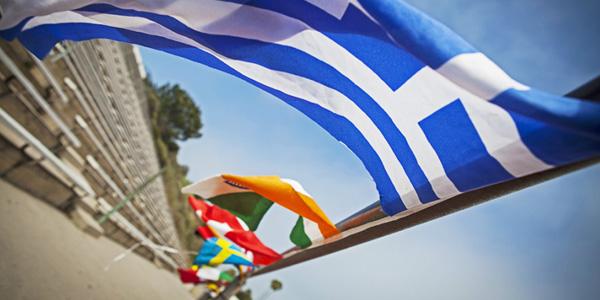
(44, 256)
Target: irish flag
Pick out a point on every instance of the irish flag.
(250, 197)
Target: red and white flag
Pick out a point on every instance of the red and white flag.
(222, 223)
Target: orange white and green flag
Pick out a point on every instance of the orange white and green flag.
(250, 197)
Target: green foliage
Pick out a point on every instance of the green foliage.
(168, 127)
(244, 295)
(276, 285)
(176, 115)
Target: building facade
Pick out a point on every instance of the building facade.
(76, 133)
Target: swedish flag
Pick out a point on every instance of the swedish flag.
(216, 251)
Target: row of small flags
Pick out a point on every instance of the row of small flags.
(231, 208)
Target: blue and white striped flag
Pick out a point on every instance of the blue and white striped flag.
(429, 116)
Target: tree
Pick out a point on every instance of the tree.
(177, 116)
(244, 295)
(276, 285)
(174, 117)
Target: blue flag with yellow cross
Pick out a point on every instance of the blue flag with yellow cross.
(216, 251)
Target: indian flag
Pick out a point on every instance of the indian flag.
(250, 197)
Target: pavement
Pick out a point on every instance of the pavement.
(44, 256)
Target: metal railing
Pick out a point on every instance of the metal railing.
(135, 233)
(100, 107)
(114, 145)
(12, 67)
(30, 140)
(138, 146)
(55, 85)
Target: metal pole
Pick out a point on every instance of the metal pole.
(130, 196)
(371, 222)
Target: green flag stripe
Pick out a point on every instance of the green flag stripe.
(249, 206)
(298, 235)
(224, 276)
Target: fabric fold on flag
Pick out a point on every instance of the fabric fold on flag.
(223, 224)
(429, 116)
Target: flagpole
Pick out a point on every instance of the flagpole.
(371, 222)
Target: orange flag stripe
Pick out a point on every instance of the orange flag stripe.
(282, 193)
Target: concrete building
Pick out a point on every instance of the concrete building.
(75, 131)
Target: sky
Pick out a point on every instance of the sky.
(538, 243)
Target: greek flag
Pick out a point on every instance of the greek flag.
(428, 115)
